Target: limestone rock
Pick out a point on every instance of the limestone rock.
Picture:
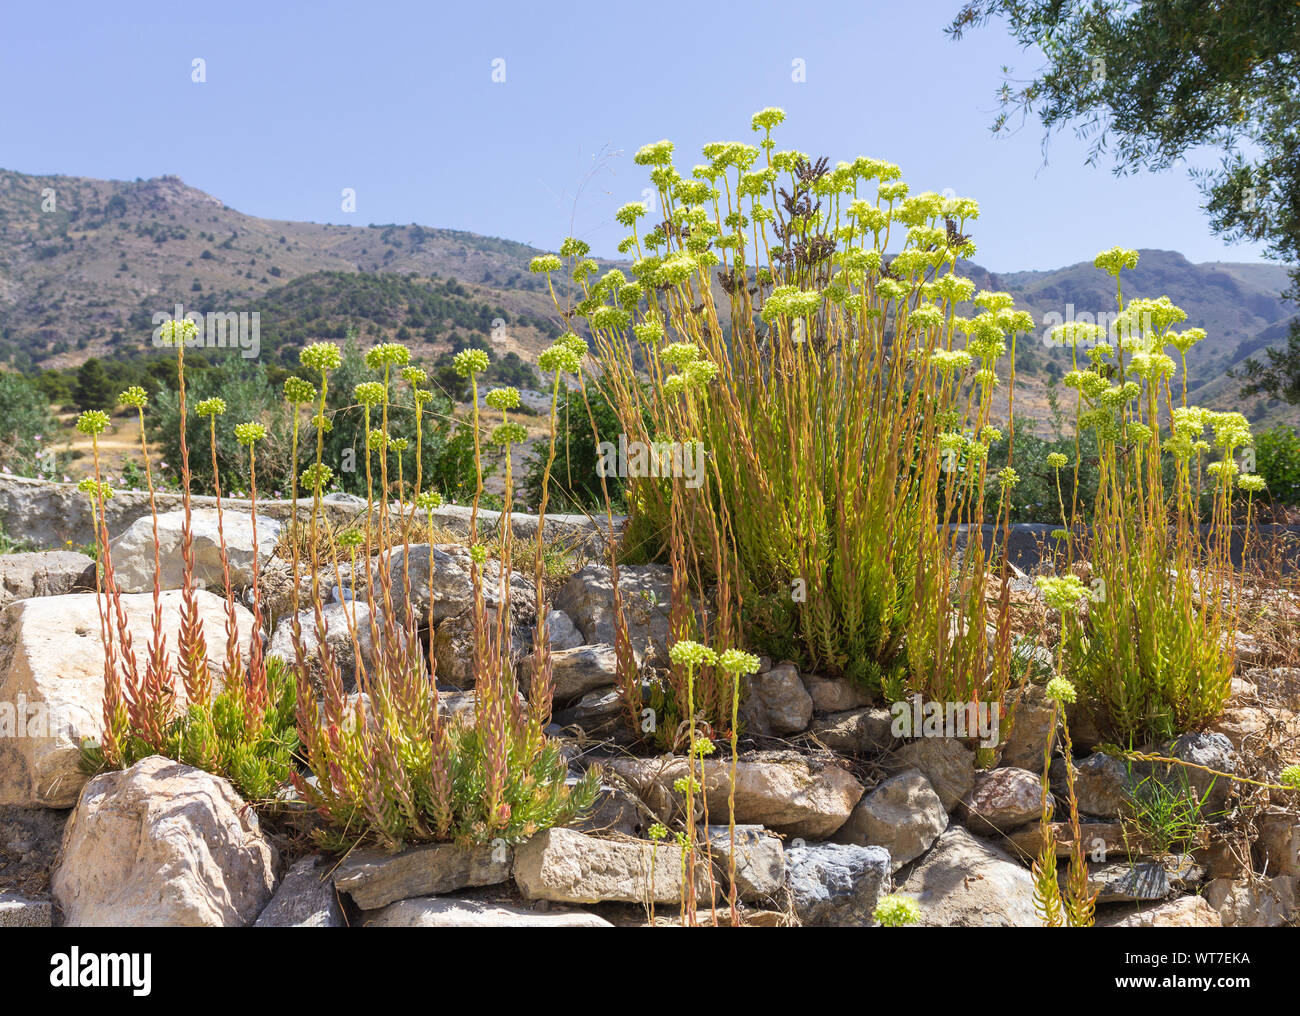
(863, 731)
(567, 866)
(903, 814)
(44, 573)
(835, 694)
(946, 763)
(968, 882)
(776, 702)
(450, 912)
(1187, 912)
(133, 550)
(163, 845)
(374, 878)
(1003, 799)
(760, 861)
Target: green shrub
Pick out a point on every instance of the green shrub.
(1277, 459)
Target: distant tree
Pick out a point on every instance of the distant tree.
(1145, 83)
(94, 388)
(25, 425)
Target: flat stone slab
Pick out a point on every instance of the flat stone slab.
(374, 878)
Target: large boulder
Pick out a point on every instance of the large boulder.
(759, 860)
(44, 573)
(861, 731)
(1253, 903)
(788, 794)
(836, 885)
(968, 882)
(577, 671)
(903, 814)
(52, 672)
(133, 550)
(163, 845)
(1186, 912)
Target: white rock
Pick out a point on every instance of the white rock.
(967, 882)
(133, 550)
(567, 866)
(903, 814)
(449, 912)
(163, 845)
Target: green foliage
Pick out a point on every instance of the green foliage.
(226, 736)
(1277, 459)
(575, 483)
(1165, 810)
(94, 389)
(25, 426)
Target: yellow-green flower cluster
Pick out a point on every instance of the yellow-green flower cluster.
(1115, 260)
(211, 407)
(369, 393)
(247, 433)
(735, 661)
(428, 500)
(686, 653)
(896, 911)
(509, 433)
(503, 398)
(1056, 460)
(92, 421)
(182, 332)
(1060, 690)
(321, 356)
(387, 354)
(91, 488)
(316, 475)
(134, 397)
(298, 391)
(1062, 592)
(545, 263)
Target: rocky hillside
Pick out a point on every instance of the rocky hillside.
(85, 277)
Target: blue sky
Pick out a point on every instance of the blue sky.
(396, 100)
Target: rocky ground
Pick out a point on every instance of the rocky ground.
(832, 809)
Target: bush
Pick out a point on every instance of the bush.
(26, 425)
(1277, 458)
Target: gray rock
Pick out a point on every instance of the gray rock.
(1277, 846)
(903, 814)
(338, 636)
(163, 845)
(133, 550)
(1002, 800)
(1102, 785)
(561, 632)
(450, 912)
(18, 911)
(1128, 882)
(776, 702)
(575, 672)
(599, 713)
(1253, 903)
(44, 573)
(1033, 726)
(1187, 912)
(836, 885)
(946, 763)
(1214, 751)
(785, 792)
(614, 811)
(835, 694)
(864, 731)
(968, 882)
(566, 866)
(760, 861)
(453, 588)
(374, 878)
(305, 899)
(588, 598)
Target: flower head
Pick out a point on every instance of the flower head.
(298, 391)
(247, 433)
(316, 475)
(470, 361)
(92, 421)
(1060, 690)
(428, 500)
(369, 393)
(1290, 777)
(1056, 460)
(686, 653)
(351, 538)
(178, 333)
(91, 488)
(509, 433)
(387, 354)
(212, 407)
(503, 398)
(414, 376)
(545, 263)
(734, 661)
(321, 357)
(134, 397)
(1063, 592)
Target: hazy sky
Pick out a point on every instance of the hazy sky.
(397, 101)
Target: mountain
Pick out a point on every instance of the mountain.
(84, 275)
